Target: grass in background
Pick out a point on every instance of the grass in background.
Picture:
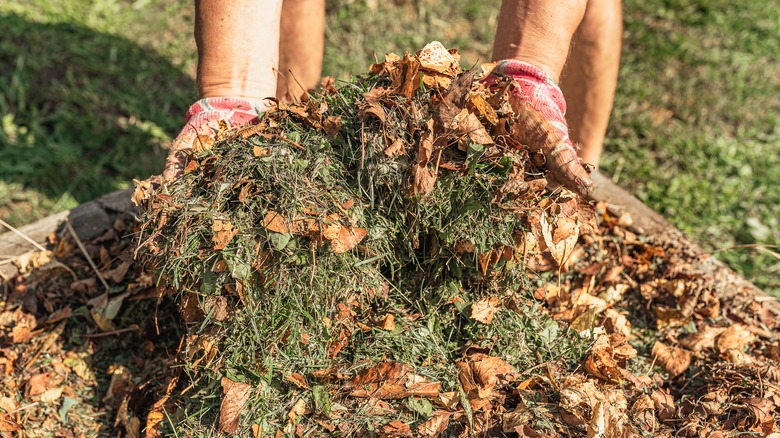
(89, 90)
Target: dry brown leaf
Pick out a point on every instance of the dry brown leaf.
(435, 425)
(396, 428)
(491, 371)
(674, 360)
(436, 58)
(332, 125)
(560, 237)
(482, 108)
(397, 148)
(7, 424)
(275, 222)
(484, 310)
(466, 124)
(664, 405)
(52, 395)
(157, 414)
(234, 397)
(348, 238)
(702, 340)
(261, 151)
(257, 431)
(223, 233)
(298, 410)
(387, 322)
(378, 373)
(297, 380)
(7, 404)
(736, 337)
(601, 362)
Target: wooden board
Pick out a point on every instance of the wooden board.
(95, 217)
(89, 220)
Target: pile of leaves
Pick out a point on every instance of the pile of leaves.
(389, 258)
(348, 255)
(78, 337)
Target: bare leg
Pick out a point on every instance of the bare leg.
(301, 47)
(538, 32)
(590, 76)
(238, 47)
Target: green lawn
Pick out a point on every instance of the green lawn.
(91, 90)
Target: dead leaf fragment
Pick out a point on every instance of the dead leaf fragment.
(484, 310)
(274, 221)
(560, 235)
(435, 425)
(396, 428)
(223, 233)
(735, 337)
(234, 397)
(378, 373)
(674, 360)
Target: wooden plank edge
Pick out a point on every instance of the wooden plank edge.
(89, 220)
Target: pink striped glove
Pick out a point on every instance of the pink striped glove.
(540, 108)
(202, 119)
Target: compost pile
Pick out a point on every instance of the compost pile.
(388, 257)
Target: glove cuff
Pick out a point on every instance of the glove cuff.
(231, 109)
(535, 84)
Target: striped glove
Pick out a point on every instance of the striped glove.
(202, 119)
(540, 108)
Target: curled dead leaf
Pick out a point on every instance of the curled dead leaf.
(736, 337)
(673, 360)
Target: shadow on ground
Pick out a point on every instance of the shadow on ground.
(81, 112)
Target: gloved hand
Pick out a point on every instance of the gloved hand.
(540, 106)
(202, 119)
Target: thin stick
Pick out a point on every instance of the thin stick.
(31, 405)
(84, 251)
(22, 235)
(113, 332)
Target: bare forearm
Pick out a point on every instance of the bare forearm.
(238, 47)
(538, 32)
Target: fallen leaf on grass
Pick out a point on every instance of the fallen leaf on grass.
(234, 397)
(386, 323)
(378, 373)
(348, 238)
(436, 58)
(761, 410)
(396, 428)
(479, 374)
(121, 384)
(297, 380)
(484, 310)
(424, 178)
(274, 221)
(673, 360)
(298, 410)
(7, 404)
(104, 309)
(223, 233)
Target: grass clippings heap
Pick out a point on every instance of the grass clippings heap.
(362, 242)
(389, 259)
